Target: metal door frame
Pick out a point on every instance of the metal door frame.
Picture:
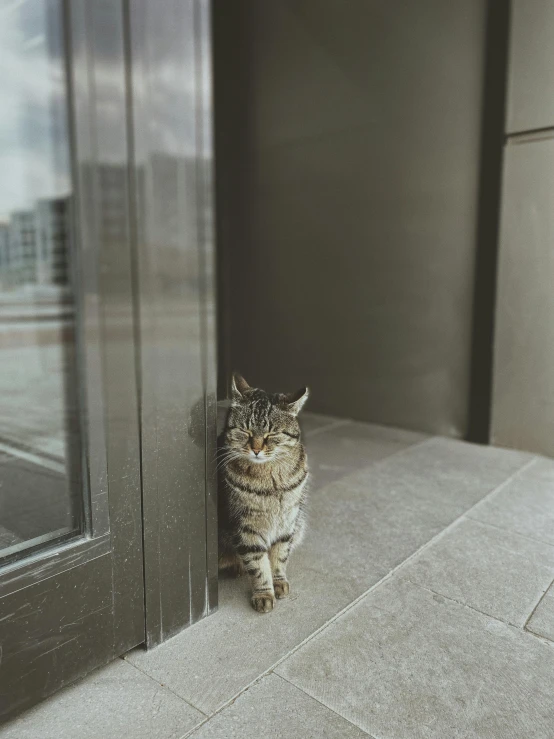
(178, 432)
(70, 608)
(146, 564)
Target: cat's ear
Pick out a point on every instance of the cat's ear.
(295, 401)
(238, 387)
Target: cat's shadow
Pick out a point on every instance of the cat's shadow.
(197, 421)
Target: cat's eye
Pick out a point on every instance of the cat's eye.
(238, 430)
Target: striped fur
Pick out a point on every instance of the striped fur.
(264, 471)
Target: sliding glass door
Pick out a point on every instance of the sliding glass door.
(71, 561)
(108, 530)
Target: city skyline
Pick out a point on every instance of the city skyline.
(34, 156)
(34, 244)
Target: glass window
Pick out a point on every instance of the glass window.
(40, 492)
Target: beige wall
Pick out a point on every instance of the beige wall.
(348, 140)
(523, 400)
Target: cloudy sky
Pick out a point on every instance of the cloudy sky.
(34, 152)
(34, 158)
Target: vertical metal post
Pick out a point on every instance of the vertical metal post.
(170, 93)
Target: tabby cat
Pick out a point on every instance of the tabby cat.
(264, 470)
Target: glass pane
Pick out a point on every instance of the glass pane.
(39, 445)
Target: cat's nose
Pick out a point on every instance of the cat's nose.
(256, 452)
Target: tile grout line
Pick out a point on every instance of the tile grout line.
(540, 600)
(401, 565)
(464, 605)
(382, 460)
(513, 533)
(231, 700)
(510, 531)
(259, 679)
(269, 670)
(530, 463)
(327, 427)
(166, 687)
(543, 639)
(384, 579)
(523, 629)
(309, 695)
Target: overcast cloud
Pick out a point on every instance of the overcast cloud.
(34, 155)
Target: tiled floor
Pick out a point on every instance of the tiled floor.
(420, 609)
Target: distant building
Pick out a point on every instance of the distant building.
(105, 185)
(172, 217)
(34, 245)
(52, 217)
(4, 250)
(23, 247)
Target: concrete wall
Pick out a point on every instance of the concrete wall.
(523, 400)
(348, 152)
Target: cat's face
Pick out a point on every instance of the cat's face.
(262, 427)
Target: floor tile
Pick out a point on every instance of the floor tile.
(359, 528)
(366, 524)
(525, 505)
(274, 708)
(494, 571)
(542, 620)
(115, 701)
(314, 423)
(541, 469)
(339, 450)
(454, 471)
(407, 664)
(209, 663)
(319, 591)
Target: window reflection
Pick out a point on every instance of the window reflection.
(38, 408)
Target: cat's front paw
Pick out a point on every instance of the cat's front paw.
(263, 602)
(281, 587)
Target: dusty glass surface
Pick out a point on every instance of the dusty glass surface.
(39, 444)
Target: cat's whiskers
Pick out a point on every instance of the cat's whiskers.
(228, 455)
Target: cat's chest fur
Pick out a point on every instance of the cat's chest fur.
(271, 515)
(265, 490)
(266, 498)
